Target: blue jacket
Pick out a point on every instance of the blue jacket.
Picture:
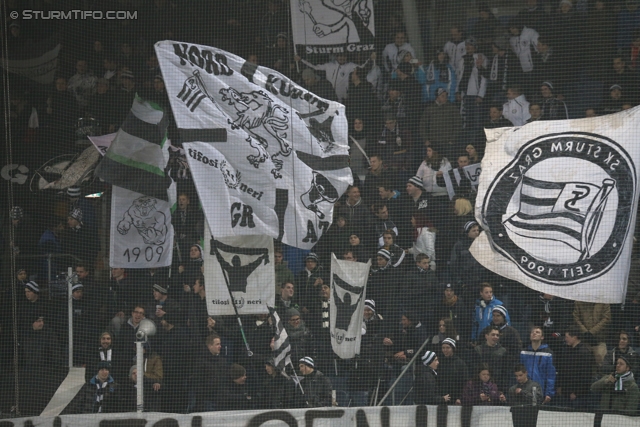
(539, 364)
(483, 317)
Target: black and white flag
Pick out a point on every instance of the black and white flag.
(348, 292)
(557, 200)
(281, 344)
(267, 156)
(327, 26)
(242, 264)
(141, 230)
(459, 183)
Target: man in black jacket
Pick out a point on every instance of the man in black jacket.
(211, 373)
(425, 386)
(575, 371)
(317, 388)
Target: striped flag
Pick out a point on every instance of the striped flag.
(281, 344)
(560, 211)
(137, 158)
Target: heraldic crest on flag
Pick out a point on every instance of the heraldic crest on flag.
(266, 155)
(558, 210)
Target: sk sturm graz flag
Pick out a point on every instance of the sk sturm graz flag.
(557, 201)
(281, 344)
(348, 290)
(245, 265)
(267, 156)
(331, 26)
(137, 157)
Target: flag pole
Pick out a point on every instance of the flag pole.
(233, 303)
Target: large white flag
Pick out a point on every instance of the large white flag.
(348, 292)
(320, 26)
(141, 230)
(40, 68)
(245, 265)
(557, 201)
(267, 156)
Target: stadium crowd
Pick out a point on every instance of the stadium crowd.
(490, 341)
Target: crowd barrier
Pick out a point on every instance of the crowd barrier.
(384, 416)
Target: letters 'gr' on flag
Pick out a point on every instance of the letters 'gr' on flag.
(137, 157)
(321, 26)
(281, 344)
(557, 201)
(243, 265)
(348, 293)
(267, 156)
(141, 230)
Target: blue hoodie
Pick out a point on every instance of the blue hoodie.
(483, 317)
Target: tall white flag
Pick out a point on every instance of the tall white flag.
(348, 292)
(141, 230)
(242, 264)
(267, 156)
(557, 201)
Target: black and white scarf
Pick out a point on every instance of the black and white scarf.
(325, 314)
(105, 355)
(495, 70)
(444, 75)
(621, 379)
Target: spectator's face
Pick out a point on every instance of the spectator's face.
(400, 39)
(616, 94)
(353, 195)
(383, 213)
(253, 59)
(618, 64)
(183, 201)
(117, 273)
(570, 340)
(22, 276)
(358, 125)
(138, 313)
(471, 49)
(325, 292)
(270, 370)
(484, 376)
(311, 264)
(82, 273)
(134, 376)
(197, 287)
(31, 296)
(194, 252)
(535, 111)
(535, 335)
(429, 152)
(393, 94)
(434, 365)
(442, 98)
(622, 367)
(304, 369)
(341, 222)
(61, 85)
(376, 163)
(521, 377)
(456, 34)
(449, 293)
(78, 293)
(368, 313)
(590, 113)
(278, 258)
(105, 341)
(486, 293)
(387, 239)
(241, 380)
(545, 91)
(281, 43)
(442, 57)
(215, 347)
(38, 325)
(381, 261)
(341, 59)
(494, 113)
(390, 124)
(442, 327)
(348, 256)
(515, 31)
(463, 161)
(424, 263)
(81, 67)
(412, 190)
(72, 222)
(447, 350)
(294, 321)
(103, 374)
(623, 342)
(157, 295)
(384, 193)
(474, 232)
(471, 150)
(405, 322)
(565, 8)
(158, 85)
(354, 240)
(492, 338)
(287, 291)
(512, 94)
(497, 318)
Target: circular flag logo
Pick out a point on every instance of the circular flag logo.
(561, 210)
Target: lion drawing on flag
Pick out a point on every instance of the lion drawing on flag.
(150, 223)
(256, 111)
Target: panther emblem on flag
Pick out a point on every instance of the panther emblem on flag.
(562, 209)
(150, 222)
